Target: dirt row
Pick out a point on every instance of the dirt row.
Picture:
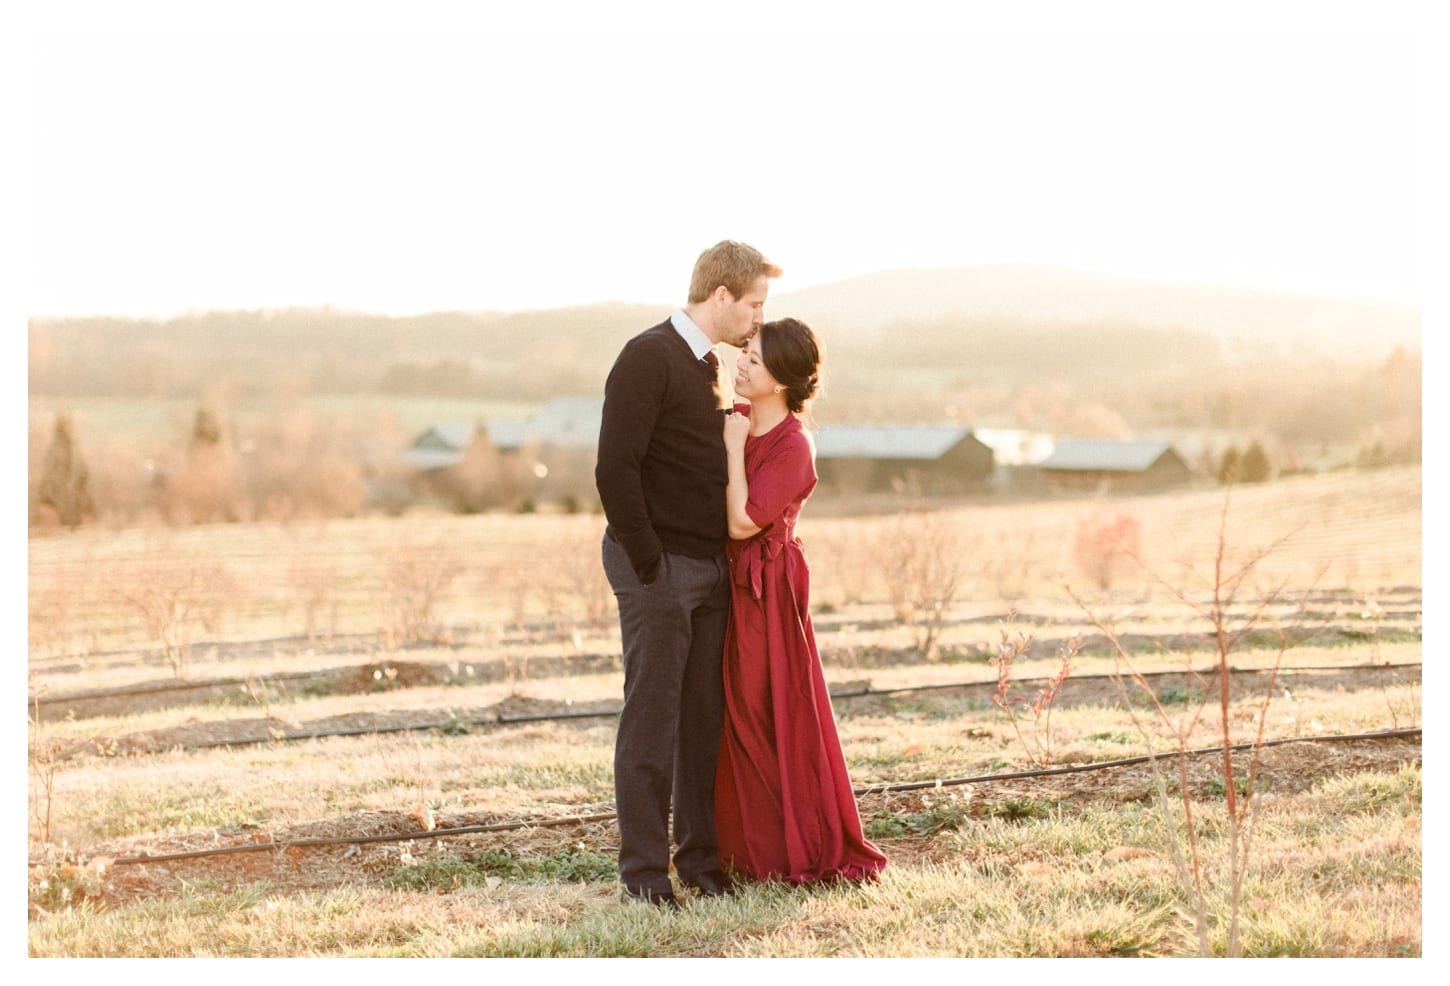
(336, 856)
(855, 697)
(372, 675)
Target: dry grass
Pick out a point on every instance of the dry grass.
(1077, 864)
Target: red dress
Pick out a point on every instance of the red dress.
(784, 807)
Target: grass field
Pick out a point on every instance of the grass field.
(393, 737)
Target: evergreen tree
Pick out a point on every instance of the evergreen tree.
(1255, 467)
(1228, 466)
(65, 482)
(206, 430)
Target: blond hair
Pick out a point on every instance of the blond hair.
(734, 265)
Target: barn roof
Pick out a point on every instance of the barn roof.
(1091, 455)
(887, 441)
(571, 422)
(566, 422)
(445, 435)
(443, 444)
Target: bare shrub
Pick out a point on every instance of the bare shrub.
(568, 477)
(313, 580)
(1014, 645)
(923, 567)
(207, 487)
(847, 562)
(126, 479)
(1105, 545)
(1006, 559)
(312, 486)
(415, 577)
(1226, 585)
(47, 757)
(174, 597)
(486, 479)
(578, 592)
(301, 465)
(55, 612)
(1374, 614)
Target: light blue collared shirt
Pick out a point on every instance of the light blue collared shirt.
(693, 335)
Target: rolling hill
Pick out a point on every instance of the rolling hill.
(876, 304)
(998, 322)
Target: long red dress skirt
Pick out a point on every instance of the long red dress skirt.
(784, 806)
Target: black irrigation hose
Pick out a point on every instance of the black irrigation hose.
(412, 727)
(1130, 761)
(871, 789)
(163, 688)
(499, 719)
(1203, 673)
(152, 688)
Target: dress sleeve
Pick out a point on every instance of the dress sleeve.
(785, 474)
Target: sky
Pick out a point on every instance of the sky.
(181, 164)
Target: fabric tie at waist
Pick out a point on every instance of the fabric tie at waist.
(750, 563)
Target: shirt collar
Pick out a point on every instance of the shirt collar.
(694, 337)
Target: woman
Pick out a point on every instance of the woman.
(784, 808)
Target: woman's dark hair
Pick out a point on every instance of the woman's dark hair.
(792, 354)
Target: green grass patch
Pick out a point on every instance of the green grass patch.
(541, 776)
(453, 873)
(197, 810)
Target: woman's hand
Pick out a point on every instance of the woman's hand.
(737, 429)
(737, 491)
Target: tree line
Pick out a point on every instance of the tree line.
(1084, 380)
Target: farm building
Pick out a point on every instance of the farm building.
(443, 445)
(549, 455)
(562, 423)
(901, 459)
(1103, 465)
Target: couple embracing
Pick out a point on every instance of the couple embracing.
(727, 728)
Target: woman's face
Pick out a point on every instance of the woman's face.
(752, 379)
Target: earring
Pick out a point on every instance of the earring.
(779, 389)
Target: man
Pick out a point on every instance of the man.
(661, 479)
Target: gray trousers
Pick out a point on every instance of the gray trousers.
(673, 633)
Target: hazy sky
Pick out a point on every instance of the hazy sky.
(528, 166)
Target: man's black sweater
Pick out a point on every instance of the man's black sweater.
(661, 471)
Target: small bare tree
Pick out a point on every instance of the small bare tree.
(1105, 545)
(572, 586)
(173, 598)
(923, 567)
(1015, 644)
(48, 755)
(45, 761)
(1226, 586)
(416, 576)
(313, 580)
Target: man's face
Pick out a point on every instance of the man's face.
(742, 316)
